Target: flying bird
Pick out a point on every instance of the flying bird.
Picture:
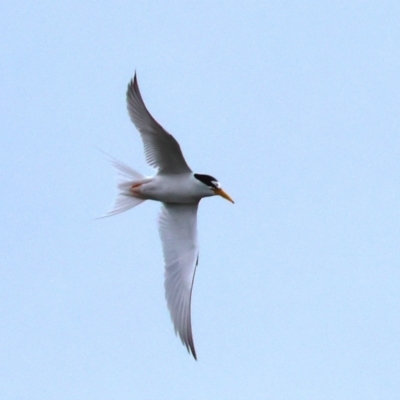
(180, 191)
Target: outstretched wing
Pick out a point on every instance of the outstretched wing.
(161, 149)
(178, 231)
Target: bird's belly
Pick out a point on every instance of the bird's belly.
(169, 191)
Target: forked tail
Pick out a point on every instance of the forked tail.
(126, 178)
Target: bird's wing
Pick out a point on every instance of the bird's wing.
(178, 231)
(161, 149)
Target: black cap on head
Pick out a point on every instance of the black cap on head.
(208, 180)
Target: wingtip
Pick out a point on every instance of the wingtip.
(133, 87)
(190, 347)
(194, 353)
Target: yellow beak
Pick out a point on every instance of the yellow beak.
(223, 194)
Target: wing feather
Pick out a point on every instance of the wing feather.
(161, 149)
(178, 231)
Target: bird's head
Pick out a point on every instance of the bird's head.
(213, 186)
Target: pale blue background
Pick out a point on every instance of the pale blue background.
(295, 107)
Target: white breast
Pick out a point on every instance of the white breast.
(182, 188)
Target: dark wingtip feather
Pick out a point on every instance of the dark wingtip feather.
(132, 86)
(193, 351)
(189, 342)
(135, 82)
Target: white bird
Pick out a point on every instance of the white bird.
(180, 191)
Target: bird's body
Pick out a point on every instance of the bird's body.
(180, 190)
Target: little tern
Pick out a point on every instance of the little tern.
(180, 191)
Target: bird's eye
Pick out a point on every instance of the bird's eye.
(216, 184)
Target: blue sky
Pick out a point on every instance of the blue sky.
(294, 107)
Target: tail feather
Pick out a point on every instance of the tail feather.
(126, 177)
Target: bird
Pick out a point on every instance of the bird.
(180, 191)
